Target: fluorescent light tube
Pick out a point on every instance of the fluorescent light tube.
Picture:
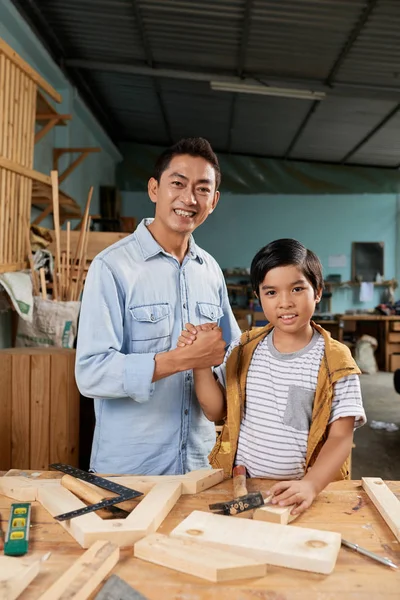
(243, 88)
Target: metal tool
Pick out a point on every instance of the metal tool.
(238, 505)
(116, 588)
(381, 559)
(17, 535)
(91, 496)
(123, 492)
(242, 501)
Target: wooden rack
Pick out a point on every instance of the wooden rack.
(19, 84)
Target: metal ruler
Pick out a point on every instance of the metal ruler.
(17, 535)
(123, 492)
(116, 588)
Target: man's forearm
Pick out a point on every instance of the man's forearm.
(209, 394)
(169, 363)
(332, 456)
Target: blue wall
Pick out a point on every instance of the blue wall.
(83, 130)
(326, 224)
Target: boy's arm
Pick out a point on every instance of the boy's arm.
(331, 457)
(210, 394)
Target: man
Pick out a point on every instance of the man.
(138, 296)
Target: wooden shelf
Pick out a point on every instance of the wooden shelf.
(357, 283)
(45, 113)
(42, 198)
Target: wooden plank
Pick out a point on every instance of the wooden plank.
(59, 417)
(83, 577)
(6, 411)
(19, 488)
(274, 514)
(74, 400)
(152, 510)
(32, 74)
(16, 574)
(40, 411)
(200, 480)
(31, 173)
(20, 419)
(97, 241)
(385, 501)
(193, 557)
(292, 547)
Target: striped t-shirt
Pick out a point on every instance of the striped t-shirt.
(280, 392)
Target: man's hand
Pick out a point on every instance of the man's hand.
(188, 335)
(208, 351)
(300, 492)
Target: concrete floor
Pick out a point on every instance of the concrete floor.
(377, 452)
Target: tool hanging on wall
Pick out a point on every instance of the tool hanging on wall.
(123, 493)
(17, 535)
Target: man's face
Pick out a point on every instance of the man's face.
(185, 195)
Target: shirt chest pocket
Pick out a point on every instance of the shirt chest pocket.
(209, 313)
(150, 328)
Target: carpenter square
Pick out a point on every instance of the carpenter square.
(123, 492)
(116, 588)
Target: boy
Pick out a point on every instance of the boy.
(290, 394)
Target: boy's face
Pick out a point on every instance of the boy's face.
(185, 195)
(288, 299)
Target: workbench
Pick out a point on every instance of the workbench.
(343, 507)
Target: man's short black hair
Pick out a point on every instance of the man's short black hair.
(194, 147)
(282, 253)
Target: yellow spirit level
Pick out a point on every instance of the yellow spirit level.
(17, 535)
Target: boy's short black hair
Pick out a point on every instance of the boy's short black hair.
(282, 253)
(194, 147)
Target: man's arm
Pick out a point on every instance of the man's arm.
(102, 370)
(208, 351)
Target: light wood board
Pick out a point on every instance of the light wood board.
(195, 558)
(293, 547)
(385, 501)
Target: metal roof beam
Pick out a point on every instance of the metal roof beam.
(338, 63)
(366, 13)
(245, 37)
(150, 63)
(369, 135)
(340, 88)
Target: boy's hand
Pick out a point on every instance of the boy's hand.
(301, 492)
(188, 335)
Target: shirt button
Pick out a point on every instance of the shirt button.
(184, 305)
(186, 411)
(188, 377)
(151, 317)
(212, 315)
(183, 446)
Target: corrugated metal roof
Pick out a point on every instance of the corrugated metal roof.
(301, 43)
(338, 125)
(375, 56)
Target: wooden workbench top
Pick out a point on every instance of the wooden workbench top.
(343, 507)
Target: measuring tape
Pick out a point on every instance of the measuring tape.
(17, 535)
(123, 492)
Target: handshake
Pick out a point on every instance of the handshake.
(203, 345)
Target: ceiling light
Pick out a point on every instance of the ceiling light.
(243, 88)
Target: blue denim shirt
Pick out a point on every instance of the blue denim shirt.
(137, 300)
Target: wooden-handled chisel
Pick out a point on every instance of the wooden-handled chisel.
(91, 496)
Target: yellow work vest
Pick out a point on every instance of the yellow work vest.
(336, 363)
